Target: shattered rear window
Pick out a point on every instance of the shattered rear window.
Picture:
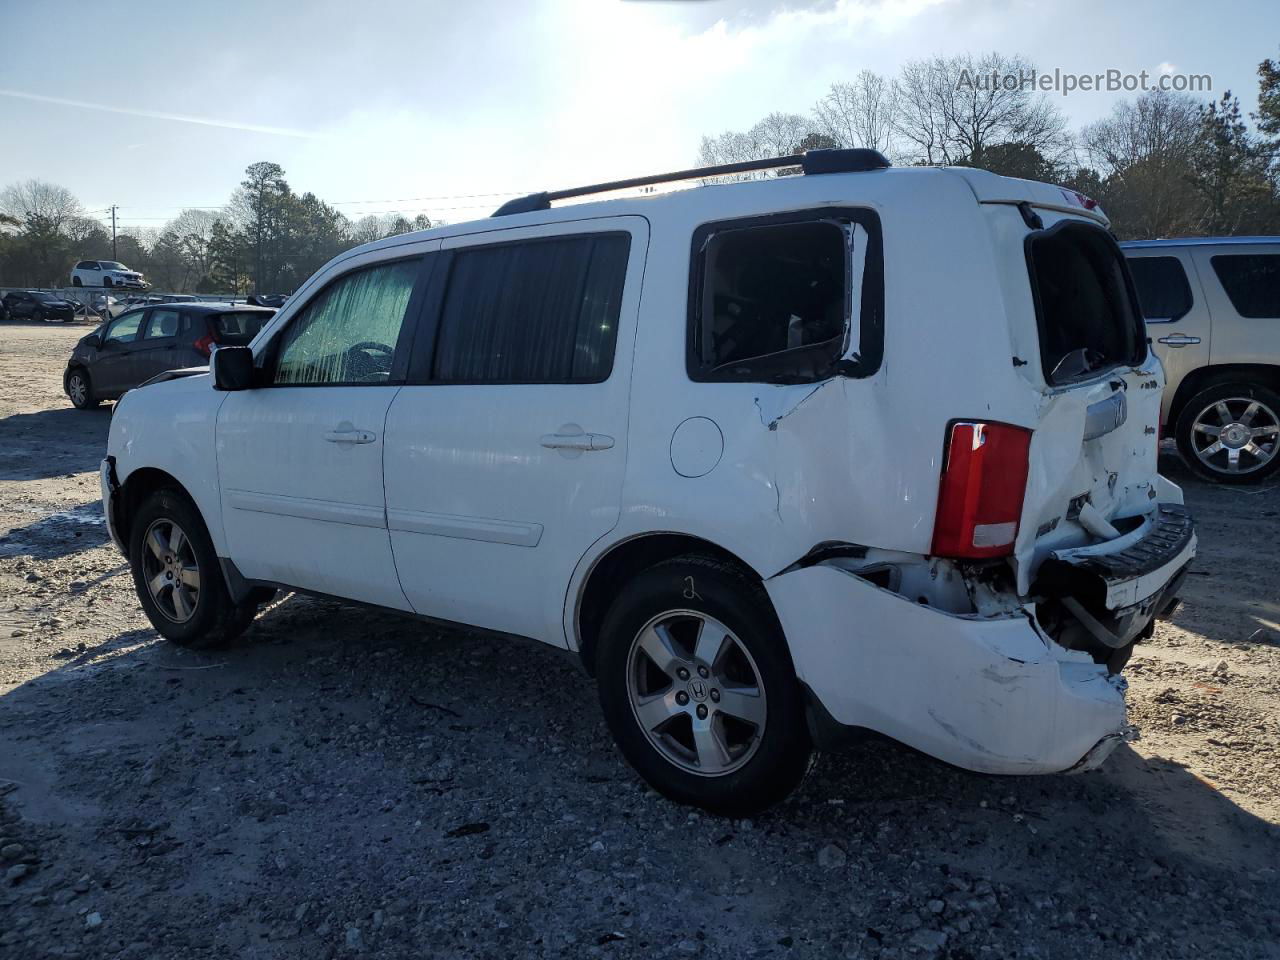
(771, 299)
(1086, 311)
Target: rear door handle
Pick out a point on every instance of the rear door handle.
(350, 436)
(1179, 340)
(576, 441)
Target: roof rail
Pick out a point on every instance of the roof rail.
(810, 162)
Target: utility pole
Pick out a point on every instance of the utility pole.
(114, 255)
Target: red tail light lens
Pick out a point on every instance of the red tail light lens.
(984, 479)
(205, 344)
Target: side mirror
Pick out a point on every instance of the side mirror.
(94, 340)
(232, 368)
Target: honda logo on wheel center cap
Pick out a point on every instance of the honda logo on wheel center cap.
(698, 689)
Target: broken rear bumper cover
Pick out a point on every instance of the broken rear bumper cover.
(990, 694)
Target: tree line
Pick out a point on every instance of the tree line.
(1162, 164)
(267, 239)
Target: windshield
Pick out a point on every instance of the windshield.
(112, 265)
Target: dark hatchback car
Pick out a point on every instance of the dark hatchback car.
(141, 343)
(34, 305)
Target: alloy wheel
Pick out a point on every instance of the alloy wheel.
(170, 570)
(1235, 435)
(696, 693)
(78, 389)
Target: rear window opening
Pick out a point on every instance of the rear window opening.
(1086, 310)
(237, 329)
(773, 302)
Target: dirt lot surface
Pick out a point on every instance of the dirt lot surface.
(343, 782)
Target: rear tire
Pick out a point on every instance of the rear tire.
(694, 745)
(177, 576)
(80, 389)
(38, 316)
(1231, 421)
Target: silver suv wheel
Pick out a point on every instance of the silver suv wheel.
(696, 693)
(170, 570)
(1235, 435)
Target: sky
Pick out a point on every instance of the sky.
(443, 108)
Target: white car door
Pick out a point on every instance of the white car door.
(506, 450)
(300, 458)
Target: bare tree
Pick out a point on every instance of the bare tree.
(952, 109)
(860, 114)
(777, 135)
(193, 232)
(1144, 150)
(1157, 124)
(40, 205)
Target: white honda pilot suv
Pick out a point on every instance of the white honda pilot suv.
(853, 449)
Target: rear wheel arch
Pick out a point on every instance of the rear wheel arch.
(1265, 374)
(625, 560)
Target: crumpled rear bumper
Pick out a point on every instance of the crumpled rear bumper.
(990, 694)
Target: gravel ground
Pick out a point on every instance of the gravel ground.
(343, 782)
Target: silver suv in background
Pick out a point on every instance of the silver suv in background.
(1212, 306)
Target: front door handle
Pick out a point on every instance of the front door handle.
(350, 436)
(1179, 340)
(576, 441)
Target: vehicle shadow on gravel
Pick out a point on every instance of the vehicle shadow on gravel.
(432, 788)
(53, 443)
(58, 534)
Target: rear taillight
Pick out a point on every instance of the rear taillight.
(205, 344)
(984, 478)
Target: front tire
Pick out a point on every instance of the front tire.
(106, 281)
(697, 686)
(177, 575)
(80, 390)
(75, 282)
(1230, 433)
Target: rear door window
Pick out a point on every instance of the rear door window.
(1163, 291)
(536, 311)
(1252, 282)
(164, 324)
(1086, 311)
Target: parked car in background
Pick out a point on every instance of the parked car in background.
(103, 305)
(1212, 308)
(724, 445)
(34, 305)
(106, 273)
(180, 298)
(146, 341)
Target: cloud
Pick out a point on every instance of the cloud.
(160, 115)
(1167, 68)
